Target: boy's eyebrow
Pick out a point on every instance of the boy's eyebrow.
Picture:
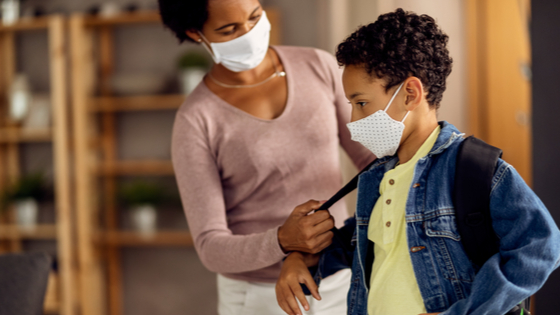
(354, 95)
(231, 24)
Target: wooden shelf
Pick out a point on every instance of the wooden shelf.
(51, 304)
(40, 232)
(58, 134)
(13, 135)
(26, 24)
(144, 167)
(124, 19)
(133, 238)
(136, 103)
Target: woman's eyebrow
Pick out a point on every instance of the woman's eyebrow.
(232, 24)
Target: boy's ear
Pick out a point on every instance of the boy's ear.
(414, 93)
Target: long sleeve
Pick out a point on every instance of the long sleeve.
(198, 178)
(529, 241)
(357, 152)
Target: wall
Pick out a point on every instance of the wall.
(546, 115)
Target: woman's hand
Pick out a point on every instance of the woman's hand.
(295, 271)
(304, 232)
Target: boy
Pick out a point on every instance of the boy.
(407, 252)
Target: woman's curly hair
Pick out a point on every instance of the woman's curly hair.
(183, 15)
(399, 45)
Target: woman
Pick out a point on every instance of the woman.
(259, 135)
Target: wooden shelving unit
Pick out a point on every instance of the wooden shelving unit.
(97, 166)
(133, 239)
(61, 297)
(40, 232)
(18, 135)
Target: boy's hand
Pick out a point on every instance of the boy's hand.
(294, 271)
(304, 232)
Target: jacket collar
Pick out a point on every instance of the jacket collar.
(447, 136)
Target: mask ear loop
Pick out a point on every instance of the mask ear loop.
(391, 101)
(206, 45)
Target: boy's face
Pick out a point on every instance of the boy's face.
(367, 94)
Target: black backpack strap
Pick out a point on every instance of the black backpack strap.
(476, 164)
(348, 188)
(342, 239)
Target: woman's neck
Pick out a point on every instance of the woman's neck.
(248, 77)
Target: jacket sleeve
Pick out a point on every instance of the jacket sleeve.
(529, 248)
(337, 256)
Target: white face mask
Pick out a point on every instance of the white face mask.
(378, 132)
(244, 52)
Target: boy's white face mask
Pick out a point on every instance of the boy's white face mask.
(244, 52)
(378, 132)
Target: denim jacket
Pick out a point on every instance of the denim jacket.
(449, 282)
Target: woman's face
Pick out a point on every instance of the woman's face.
(229, 19)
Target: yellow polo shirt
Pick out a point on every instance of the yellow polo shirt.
(393, 286)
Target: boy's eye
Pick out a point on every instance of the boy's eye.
(361, 104)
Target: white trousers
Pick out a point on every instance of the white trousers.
(254, 298)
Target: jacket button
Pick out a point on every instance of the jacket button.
(416, 185)
(388, 224)
(388, 201)
(391, 182)
(417, 248)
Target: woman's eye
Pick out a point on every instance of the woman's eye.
(229, 32)
(255, 18)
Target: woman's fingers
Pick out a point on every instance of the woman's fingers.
(323, 226)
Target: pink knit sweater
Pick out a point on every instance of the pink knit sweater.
(240, 176)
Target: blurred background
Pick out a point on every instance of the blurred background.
(88, 94)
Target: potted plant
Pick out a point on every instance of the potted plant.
(25, 195)
(142, 198)
(193, 66)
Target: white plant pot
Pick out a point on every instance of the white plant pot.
(144, 219)
(190, 78)
(27, 211)
(20, 98)
(10, 11)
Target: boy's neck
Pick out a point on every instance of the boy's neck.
(419, 134)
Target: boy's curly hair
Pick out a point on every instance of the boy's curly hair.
(399, 45)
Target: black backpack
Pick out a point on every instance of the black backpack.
(476, 164)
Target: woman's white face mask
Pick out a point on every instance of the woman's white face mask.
(244, 52)
(378, 132)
